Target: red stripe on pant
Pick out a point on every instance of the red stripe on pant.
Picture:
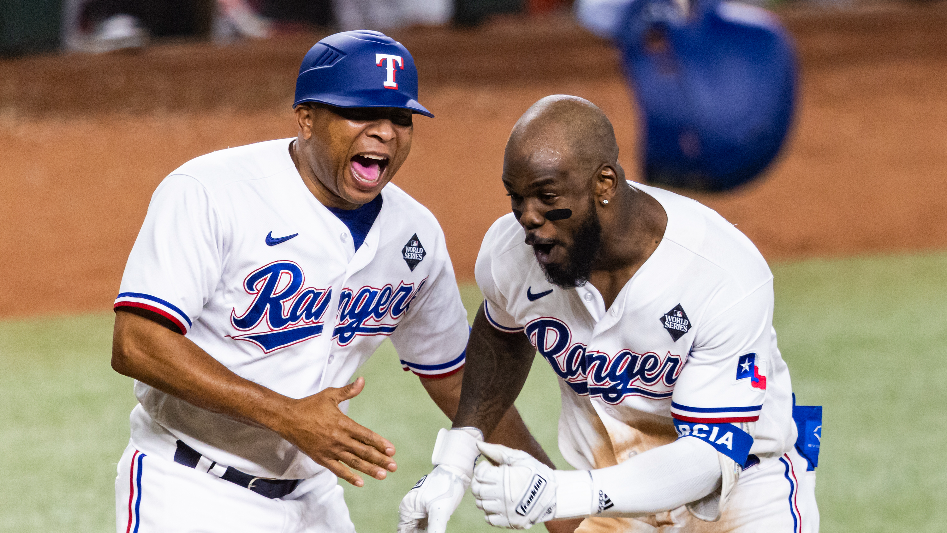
(131, 490)
(794, 492)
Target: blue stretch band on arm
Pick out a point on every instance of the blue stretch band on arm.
(726, 438)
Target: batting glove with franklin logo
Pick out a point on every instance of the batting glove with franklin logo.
(512, 488)
(428, 506)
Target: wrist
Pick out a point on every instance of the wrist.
(456, 449)
(278, 413)
(575, 495)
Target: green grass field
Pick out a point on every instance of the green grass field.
(863, 337)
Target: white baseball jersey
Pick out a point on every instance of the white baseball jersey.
(687, 345)
(239, 254)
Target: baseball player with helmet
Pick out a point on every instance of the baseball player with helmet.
(714, 82)
(656, 315)
(261, 280)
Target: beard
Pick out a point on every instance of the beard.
(580, 256)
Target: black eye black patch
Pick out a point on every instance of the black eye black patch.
(558, 214)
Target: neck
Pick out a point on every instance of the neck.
(632, 229)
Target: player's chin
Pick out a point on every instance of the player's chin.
(558, 268)
(361, 191)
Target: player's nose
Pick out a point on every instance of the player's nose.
(382, 129)
(529, 216)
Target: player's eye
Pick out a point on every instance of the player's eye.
(402, 117)
(397, 116)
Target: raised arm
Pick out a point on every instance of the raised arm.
(147, 347)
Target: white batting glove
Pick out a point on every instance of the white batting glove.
(515, 491)
(428, 506)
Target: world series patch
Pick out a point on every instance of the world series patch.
(676, 322)
(413, 252)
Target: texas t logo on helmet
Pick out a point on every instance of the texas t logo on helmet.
(359, 68)
(389, 61)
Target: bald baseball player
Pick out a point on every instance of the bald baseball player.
(262, 278)
(656, 315)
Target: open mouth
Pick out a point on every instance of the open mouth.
(542, 251)
(368, 168)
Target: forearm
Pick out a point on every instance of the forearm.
(660, 479)
(510, 431)
(496, 369)
(173, 364)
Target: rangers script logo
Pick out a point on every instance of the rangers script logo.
(283, 312)
(611, 377)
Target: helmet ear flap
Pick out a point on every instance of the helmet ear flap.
(715, 90)
(359, 68)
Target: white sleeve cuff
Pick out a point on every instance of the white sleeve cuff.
(457, 448)
(574, 493)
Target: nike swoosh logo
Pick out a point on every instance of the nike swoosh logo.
(531, 296)
(273, 241)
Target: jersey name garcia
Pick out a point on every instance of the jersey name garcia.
(241, 257)
(688, 340)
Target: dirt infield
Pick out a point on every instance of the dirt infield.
(84, 140)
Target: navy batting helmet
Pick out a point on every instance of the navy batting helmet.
(715, 88)
(359, 68)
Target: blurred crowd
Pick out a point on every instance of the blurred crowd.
(98, 26)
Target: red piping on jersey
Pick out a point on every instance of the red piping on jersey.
(153, 309)
(437, 376)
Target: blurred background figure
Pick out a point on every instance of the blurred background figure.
(469, 13)
(99, 26)
(601, 17)
(387, 14)
(236, 19)
(715, 83)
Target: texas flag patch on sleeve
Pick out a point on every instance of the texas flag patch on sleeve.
(746, 368)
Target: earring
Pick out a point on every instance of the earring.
(604, 202)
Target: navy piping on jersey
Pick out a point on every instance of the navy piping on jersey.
(360, 219)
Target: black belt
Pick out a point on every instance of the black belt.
(271, 488)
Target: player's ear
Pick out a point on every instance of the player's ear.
(606, 183)
(304, 120)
